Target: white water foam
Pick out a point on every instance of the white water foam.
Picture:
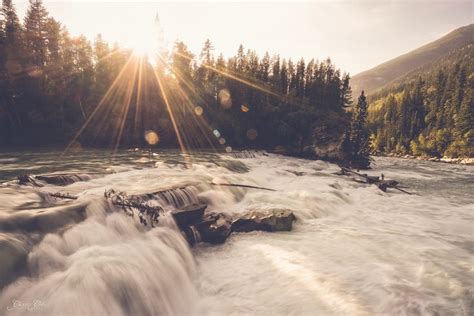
(354, 250)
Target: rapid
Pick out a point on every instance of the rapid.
(353, 250)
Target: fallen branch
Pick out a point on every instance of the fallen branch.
(242, 186)
(399, 189)
(61, 195)
(379, 181)
(146, 213)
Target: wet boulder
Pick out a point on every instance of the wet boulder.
(215, 228)
(264, 220)
(189, 215)
(191, 235)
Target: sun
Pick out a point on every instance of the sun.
(143, 45)
(143, 38)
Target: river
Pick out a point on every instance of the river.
(353, 250)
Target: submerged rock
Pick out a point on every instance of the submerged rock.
(189, 215)
(267, 220)
(55, 179)
(64, 179)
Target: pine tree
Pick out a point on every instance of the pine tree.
(13, 49)
(464, 121)
(240, 60)
(299, 78)
(346, 91)
(275, 75)
(264, 69)
(284, 78)
(359, 136)
(35, 33)
(308, 78)
(181, 63)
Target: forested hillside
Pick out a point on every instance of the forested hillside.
(57, 89)
(418, 60)
(428, 113)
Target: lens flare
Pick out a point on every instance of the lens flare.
(225, 99)
(252, 134)
(198, 110)
(151, 137)
(244, 108)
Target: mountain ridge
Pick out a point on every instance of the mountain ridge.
(394, 69)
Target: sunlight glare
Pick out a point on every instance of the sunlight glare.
(144, 38)
(143, 45)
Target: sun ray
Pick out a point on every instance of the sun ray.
(126, 106)
(99, 105)
(189, 85)
(236, 78)
(188, 100)
(139, 93)
(170, 111)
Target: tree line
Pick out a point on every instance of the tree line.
(429, 114)
(57, 89)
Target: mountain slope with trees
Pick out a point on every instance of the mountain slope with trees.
(428, 113)
(418, 60)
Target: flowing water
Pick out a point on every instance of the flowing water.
(354, 250)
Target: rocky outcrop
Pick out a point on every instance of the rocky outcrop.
(189, 215)
(327, 142)
(214, 228)
(264, 220)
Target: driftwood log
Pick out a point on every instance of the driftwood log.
(242, 186)
(380, 182)
(61, 195)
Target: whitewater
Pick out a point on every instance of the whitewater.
(353, 250)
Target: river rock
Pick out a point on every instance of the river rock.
(265, 220)
(215, 228)
(189, 215)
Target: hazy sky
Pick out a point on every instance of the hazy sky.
(357, 35)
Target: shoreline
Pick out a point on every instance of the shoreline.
(459, 161)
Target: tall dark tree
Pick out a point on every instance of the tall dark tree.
(36, 33)
(346, 91)
(359, 135)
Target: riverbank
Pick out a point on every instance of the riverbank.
(461, 161)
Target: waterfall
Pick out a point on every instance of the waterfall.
(176, 197)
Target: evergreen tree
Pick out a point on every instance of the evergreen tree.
(346, 91)
(359, 137)
(284, 78)
(35, 33)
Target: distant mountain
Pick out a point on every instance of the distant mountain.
(427, 112)
(388, 72)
